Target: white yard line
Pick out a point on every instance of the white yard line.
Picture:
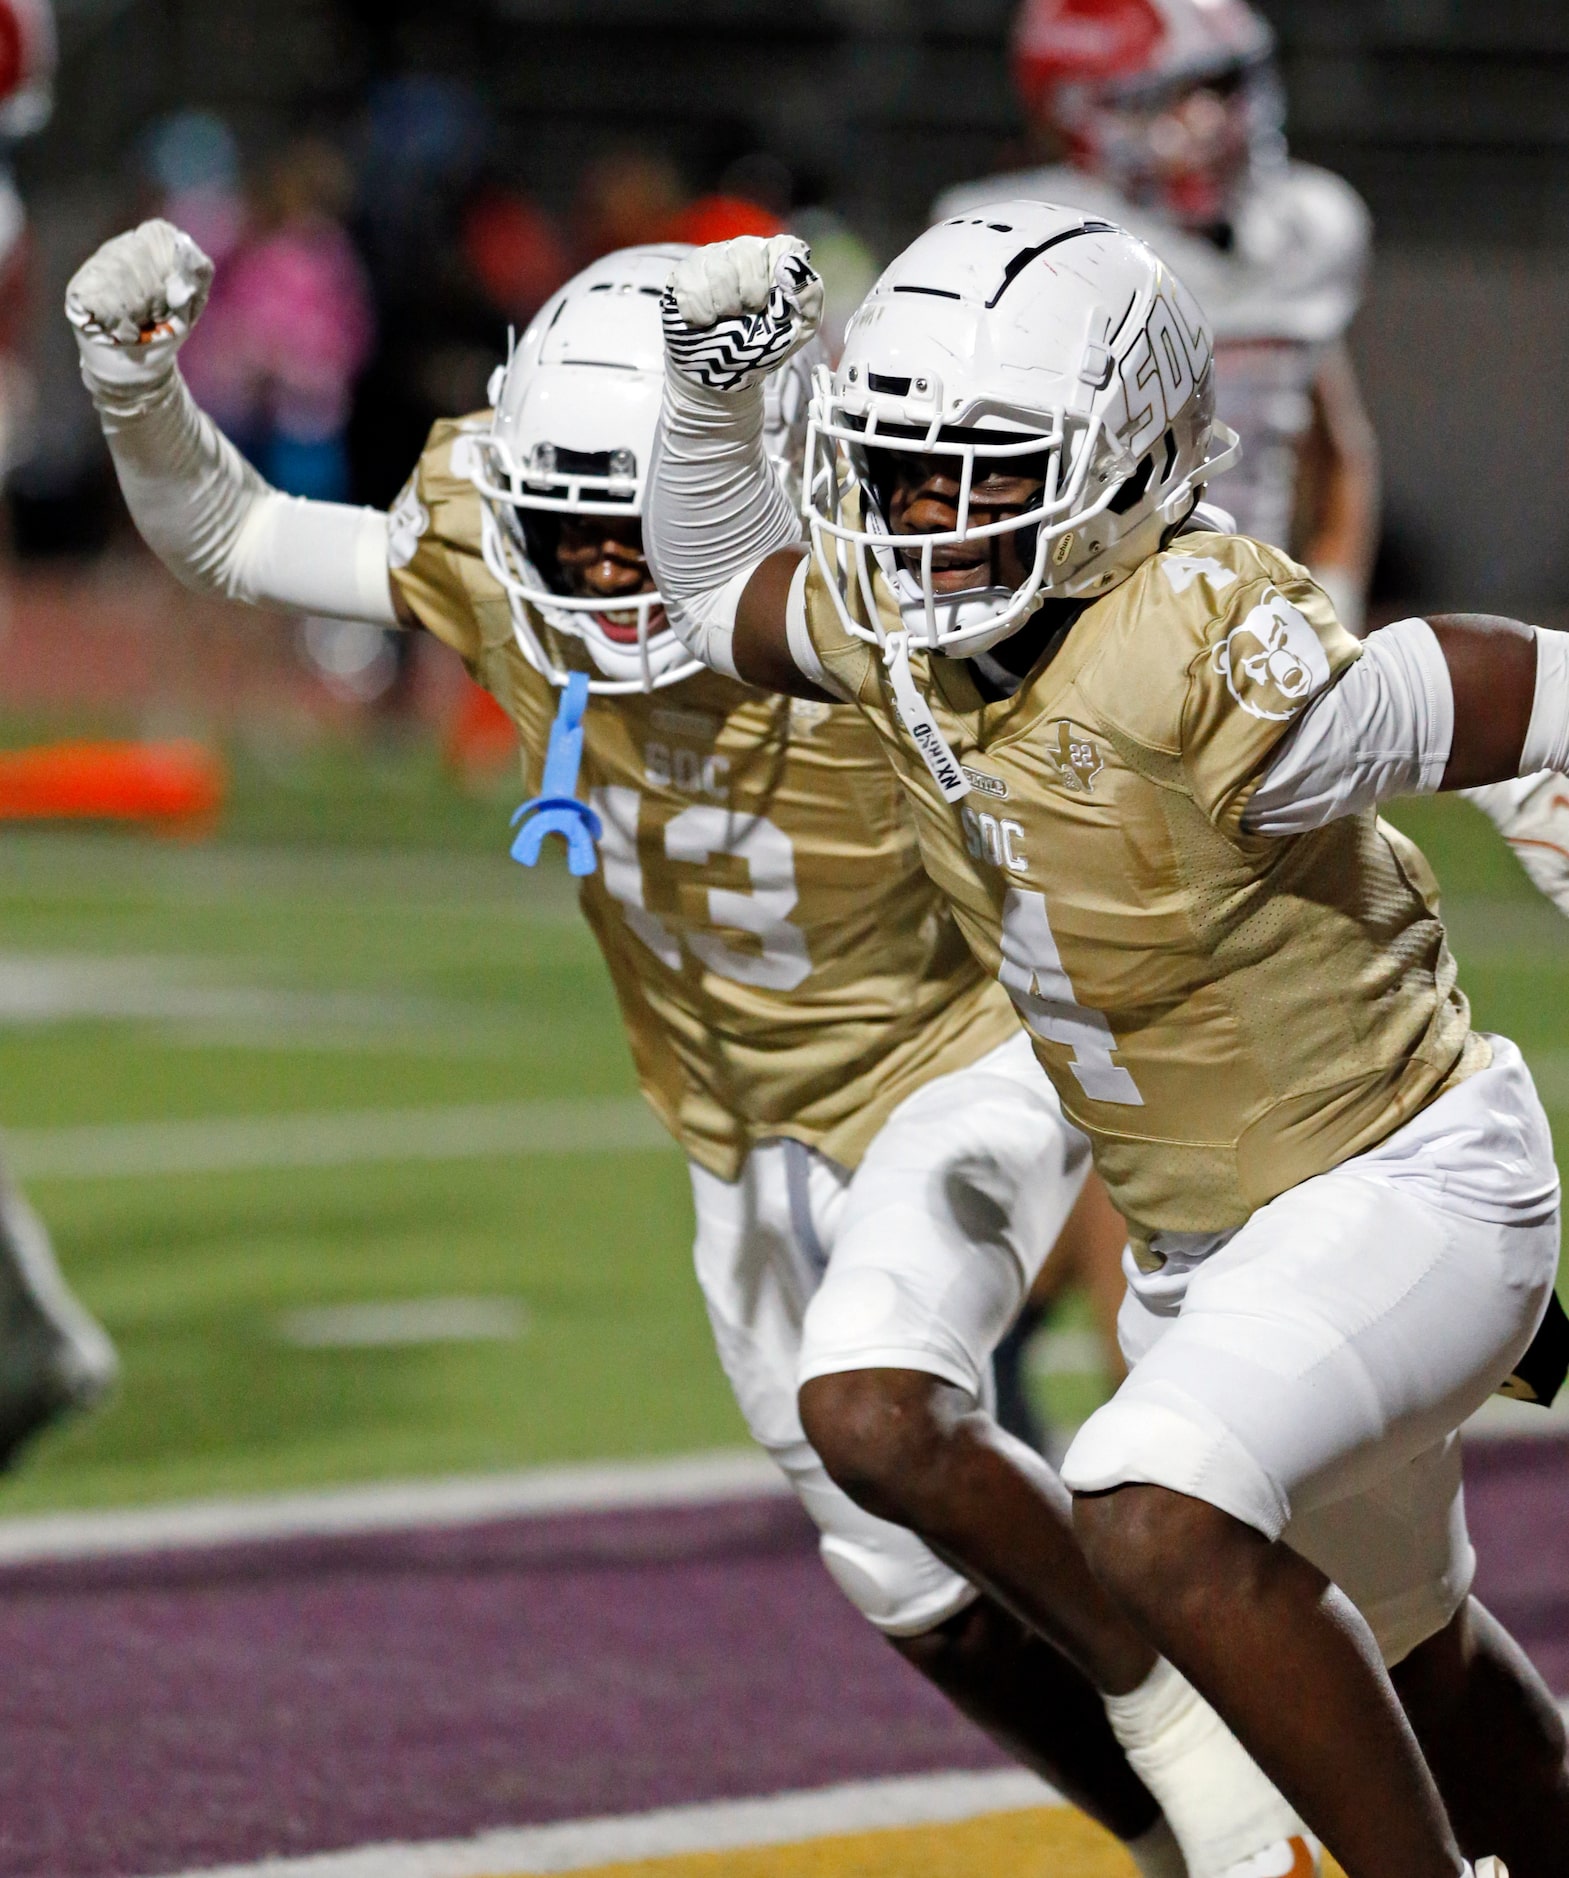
(238, 1144)
(720, 1475)
(784, 1819)
(399, 1322)
(102, 870)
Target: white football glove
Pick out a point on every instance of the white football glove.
(1532, 815)
(735, 311)
(133, 305)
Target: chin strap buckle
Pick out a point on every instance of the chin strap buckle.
(920, 726)
(556, 809)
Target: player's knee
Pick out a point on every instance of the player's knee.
(1139, 1536)
(878, 1432)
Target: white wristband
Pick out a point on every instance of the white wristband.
(1547, 738)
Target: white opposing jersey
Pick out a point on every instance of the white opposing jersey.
(1287, 287)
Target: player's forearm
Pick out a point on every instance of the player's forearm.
(716, 512)
(220, 528)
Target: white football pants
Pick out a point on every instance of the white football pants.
(1307, 1373)
(920, 1260)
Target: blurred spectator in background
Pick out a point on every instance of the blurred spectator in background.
(299, 324)
(55, 1359)
(27, 67)
(454, 253)
(1167, 116)
(626, 197)
(515, 253)
(192, 166)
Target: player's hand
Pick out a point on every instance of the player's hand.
(1533, 817)
(735, 311)
(134, 303)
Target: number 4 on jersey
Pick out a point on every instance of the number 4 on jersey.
(1032, 974)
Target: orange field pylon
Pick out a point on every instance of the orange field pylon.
(174, 787)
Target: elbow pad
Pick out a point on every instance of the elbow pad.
(704, 622)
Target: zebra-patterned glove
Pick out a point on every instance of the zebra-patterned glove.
(735, 311)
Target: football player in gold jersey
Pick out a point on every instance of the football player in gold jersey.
(1145, 766)
(878, 1165)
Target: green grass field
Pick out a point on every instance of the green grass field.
(358, 941)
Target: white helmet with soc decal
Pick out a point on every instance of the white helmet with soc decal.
(1036, 342)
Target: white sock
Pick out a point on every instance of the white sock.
(1216, 1801)
(1156, 1853)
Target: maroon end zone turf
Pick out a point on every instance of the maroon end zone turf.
(188, 1709)
(159, 1713)
(1517, 1501)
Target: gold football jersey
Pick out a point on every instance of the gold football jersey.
(1225, 1015)
(782, 962)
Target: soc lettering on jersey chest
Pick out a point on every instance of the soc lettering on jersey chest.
(995, 840)
(688, 772)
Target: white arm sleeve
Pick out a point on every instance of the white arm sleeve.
(715, 511)
(218, 527)
(1384, 731)
(1547, 738)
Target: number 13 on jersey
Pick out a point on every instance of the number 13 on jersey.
(696, 835)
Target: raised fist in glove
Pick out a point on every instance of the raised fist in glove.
(735, 311)
(132, 305)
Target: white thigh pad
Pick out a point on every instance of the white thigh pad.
(759, 1258)
(946, 1222)
(1349, 1327)
(1400, 1551)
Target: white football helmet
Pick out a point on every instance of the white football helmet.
(1175, 102)
(1018, 335)
(576, 411)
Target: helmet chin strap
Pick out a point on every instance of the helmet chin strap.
(970, 613)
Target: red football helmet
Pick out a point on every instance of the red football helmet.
(1171, 100)
(28, 56)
